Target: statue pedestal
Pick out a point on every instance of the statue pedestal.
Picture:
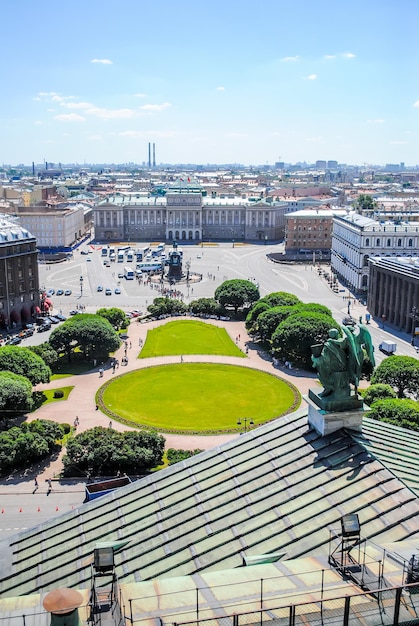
(326, 421)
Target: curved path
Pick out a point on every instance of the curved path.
(81, 402)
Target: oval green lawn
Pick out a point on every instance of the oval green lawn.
(197, 397)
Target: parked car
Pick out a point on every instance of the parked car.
(29, 332)
(108, 292)
(84, 252)
(60, 292)
(50, 292)
(54, 319)
(99, 288)
(60, 317)
(67, 292)
(73, 312)
(44, 327)
(120, 274)
(14, 341)
(117, 291)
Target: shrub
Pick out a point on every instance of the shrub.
(58, 393)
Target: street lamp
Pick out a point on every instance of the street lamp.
(81, 286)
(414, 317)
(246, 420)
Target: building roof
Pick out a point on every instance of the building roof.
(278, 488)
(11, 231)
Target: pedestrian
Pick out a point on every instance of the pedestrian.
(97, 407)
(130, 345)
(181, 358)
(110, 424)
(101, 372)
(36, 483)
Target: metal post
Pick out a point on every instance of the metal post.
(397, 606)
(346, 611)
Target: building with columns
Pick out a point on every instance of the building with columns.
(187, 216)
(394, 291)
(357, 238)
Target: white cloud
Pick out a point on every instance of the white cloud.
(377, 121)
(416, 104)
(329, 56)
(38, 123)
(220, 88)
(77, 105)
(139, 134)
(102, 61)
(235, 135)
(349, 55)
(140, 95)
(155, 107)
(70, 117)
(111, 114)
(311, 77)
(290, 59)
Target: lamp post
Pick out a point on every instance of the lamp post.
(414, 317)
(246, 420)
(81, 286)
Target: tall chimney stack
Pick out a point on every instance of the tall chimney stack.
(149, 154)
(154, 155)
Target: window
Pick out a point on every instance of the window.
(378, 243)
(410, 244)
(388, 243)
(367, 242)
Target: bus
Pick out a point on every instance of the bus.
(112, 254)
(150, 266)
(128, 273)
(104, 251)
(130, 256)
(121, 256)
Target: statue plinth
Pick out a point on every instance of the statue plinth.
(334, 402)
(341, 413)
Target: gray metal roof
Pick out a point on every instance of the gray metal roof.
(278, 488)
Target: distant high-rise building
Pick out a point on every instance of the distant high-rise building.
(332, 165)
(321, 165)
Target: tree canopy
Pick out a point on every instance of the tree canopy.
(401, 373)
(205, 306)
(92, 334)
(376, 392)
(166, 306)
(46, 352)
(21, 446)
(294, 337)
(25, 362)
(104, 451)
(404, 413)
(237, 293)
(15, 394)
(116, 317)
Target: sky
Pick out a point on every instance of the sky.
(209, 81)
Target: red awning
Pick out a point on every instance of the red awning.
(25, 314)
(37, 309)
(48, 302)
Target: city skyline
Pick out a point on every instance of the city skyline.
(220, 83)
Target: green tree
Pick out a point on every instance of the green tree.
(281, 298)
(46, 352)
(104, 451)
(91, 334)
(237, 293)
(205, 306)
(24, 362)
(175, 456)
(116, 317)
(51, 432)
(365, 204)
(376, 392)
(257, 309)
(15, 394)
(294, 337)
(269, 321)
(401, 373)
(400, 412)
(166, 306)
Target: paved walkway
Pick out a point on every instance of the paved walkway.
(81, 402)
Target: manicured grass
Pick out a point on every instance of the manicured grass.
(196, 397)
(45, 397)
(188, 337)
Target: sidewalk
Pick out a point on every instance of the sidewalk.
(82, 403)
